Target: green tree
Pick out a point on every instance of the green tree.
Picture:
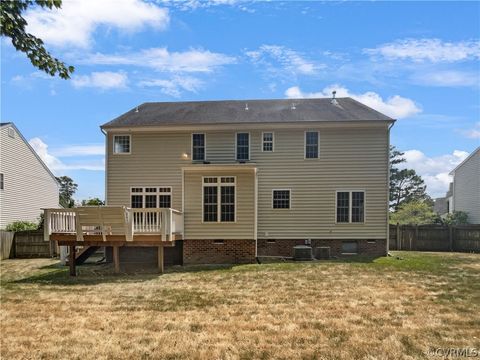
(405, 184)
(67, 189)
(93, 202)
(414, 212)
(456, 218)
(12, 25)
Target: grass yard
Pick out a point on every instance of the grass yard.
(389, 308)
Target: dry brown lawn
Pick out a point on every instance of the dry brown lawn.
(390, 308)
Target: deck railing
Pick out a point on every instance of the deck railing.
(145, 221)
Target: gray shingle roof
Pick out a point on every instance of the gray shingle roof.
(234, 112)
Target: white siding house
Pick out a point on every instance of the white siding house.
(26, 183)
(466, 187)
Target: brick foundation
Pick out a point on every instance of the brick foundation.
(215, 252)
(284, 247)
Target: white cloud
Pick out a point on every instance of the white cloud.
(103, 80)
(473, 133)
(160, 59)
(75, 23)
(79, 150)
(279, 59)
(434, 170)
(174, 86)
(433, 50)
(56, 165)
(448, 78)
(396, 106)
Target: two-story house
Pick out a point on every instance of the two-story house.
(26, 183)
(256, 177)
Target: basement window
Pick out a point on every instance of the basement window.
(349, 247)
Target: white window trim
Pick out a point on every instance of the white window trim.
(129, 147)
(204, 146)
(350, 191)
(289, 199)
(273, 140)
(218, 184)
(305, 145)
(249, 144)
(157, 193)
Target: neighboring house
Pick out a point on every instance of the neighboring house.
(256, 177)
(26, 183)
(466, 187)
(444, 205)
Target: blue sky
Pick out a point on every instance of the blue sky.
(415, 61)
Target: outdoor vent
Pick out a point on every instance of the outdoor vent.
(322, 253)
(302, 253)
(11, 132)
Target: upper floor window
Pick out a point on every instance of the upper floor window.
(121, 144)
(281, 199)
(350, 206)
(198, 147)
(267, 141)
(311, 144)
(243, 146)
(2, 183)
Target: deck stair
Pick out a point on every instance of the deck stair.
(84, 253)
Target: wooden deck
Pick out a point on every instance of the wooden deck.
(114, 240)
(113, 226)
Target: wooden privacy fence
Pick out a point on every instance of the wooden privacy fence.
(461, 238)
(6, 242)
(30, 244)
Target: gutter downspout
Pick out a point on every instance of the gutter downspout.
(106, 163)
(388, 187)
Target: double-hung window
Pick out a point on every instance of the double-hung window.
(267, 141)
(219, 199)
(350, 207)
(312, 141)
(121, 144)
(198, 147)
(243, 146)
(281, 199)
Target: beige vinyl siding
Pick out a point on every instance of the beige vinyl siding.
(28, 185)
(242, 228)
(349, 159)
(155, 160)
(466, 188)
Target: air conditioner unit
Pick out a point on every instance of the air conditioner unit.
(322, 252)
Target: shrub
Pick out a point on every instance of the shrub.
(456, 218)
(21, 226)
